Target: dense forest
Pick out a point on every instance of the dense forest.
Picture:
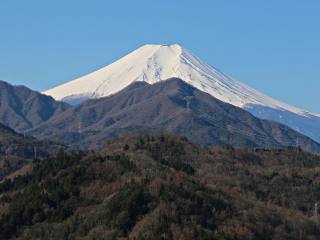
(161, 186)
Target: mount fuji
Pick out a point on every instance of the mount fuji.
(154, 63)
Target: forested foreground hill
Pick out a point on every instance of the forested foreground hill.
(162, 186)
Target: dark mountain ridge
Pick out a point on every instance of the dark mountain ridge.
(172, 105)
(22, 108)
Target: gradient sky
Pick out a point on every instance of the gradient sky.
(272, 46)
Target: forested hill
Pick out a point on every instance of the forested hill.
(162, 186)
(17, 150)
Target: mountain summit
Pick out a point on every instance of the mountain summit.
(154, 63)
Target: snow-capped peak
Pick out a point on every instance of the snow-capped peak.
(154, 63)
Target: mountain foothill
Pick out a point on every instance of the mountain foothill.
(171, 105)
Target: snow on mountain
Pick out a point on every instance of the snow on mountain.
(154, 63)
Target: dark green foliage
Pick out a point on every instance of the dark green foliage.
(60, 195)
(175, 154)
(228, 148)
(179, 166)
(126, 206)
(126, 147)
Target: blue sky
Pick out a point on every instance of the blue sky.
(272, 46)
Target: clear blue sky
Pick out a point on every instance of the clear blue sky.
(272, 46)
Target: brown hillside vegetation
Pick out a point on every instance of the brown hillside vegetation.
(161, 186)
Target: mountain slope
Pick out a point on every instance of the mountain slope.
(172, 105)
(22, 108)
(154, 63)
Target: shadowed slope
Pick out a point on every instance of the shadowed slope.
(22, 108)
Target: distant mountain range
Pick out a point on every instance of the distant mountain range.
(171, 105)
(154, 63)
